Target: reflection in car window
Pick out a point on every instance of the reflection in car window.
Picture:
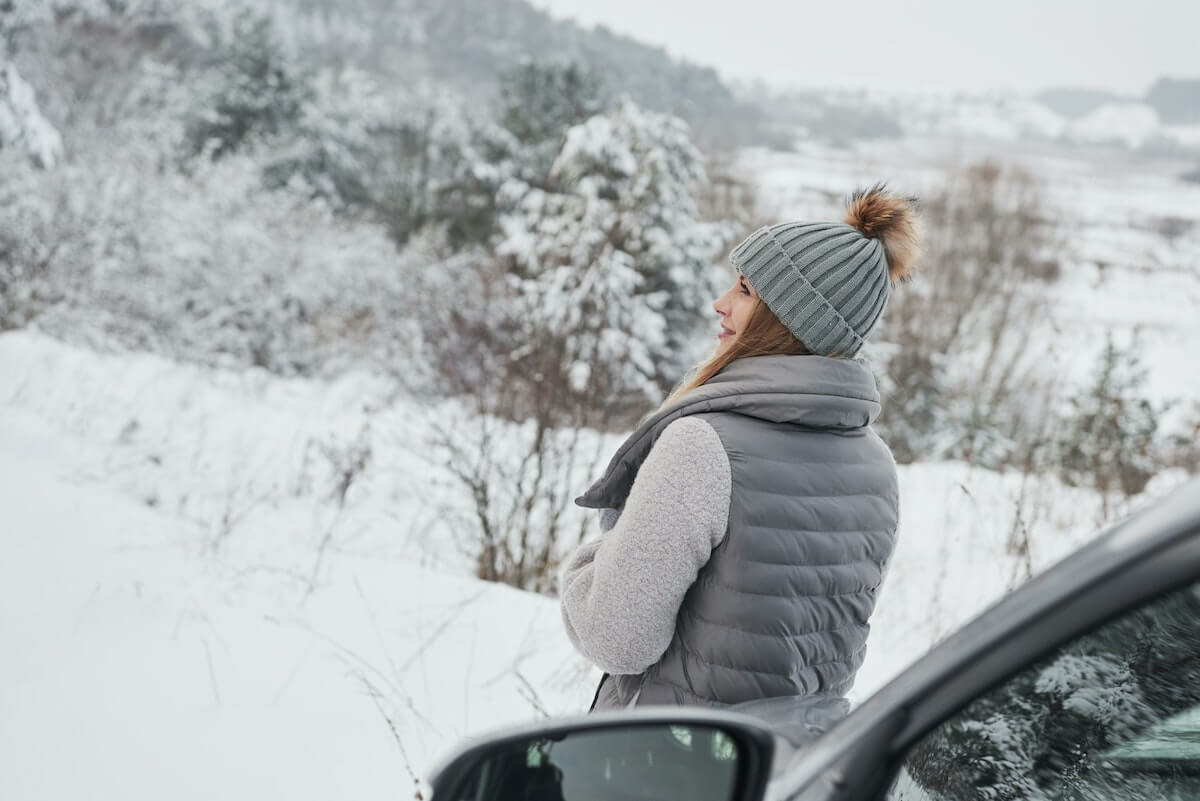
(1114, 714)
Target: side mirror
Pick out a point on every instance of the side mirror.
(652, 755)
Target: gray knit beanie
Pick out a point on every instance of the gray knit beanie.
(829, 282)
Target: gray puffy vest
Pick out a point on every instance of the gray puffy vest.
(781, 608)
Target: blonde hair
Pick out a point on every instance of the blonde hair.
(763, 335)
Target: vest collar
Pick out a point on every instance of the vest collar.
(811, 391)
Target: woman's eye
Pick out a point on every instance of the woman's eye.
(745, 289)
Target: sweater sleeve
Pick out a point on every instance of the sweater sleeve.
(621, 593)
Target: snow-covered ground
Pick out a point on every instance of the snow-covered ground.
(189, 608)
(141, 663)
(161, 655)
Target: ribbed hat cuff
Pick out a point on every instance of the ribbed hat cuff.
(788, 294)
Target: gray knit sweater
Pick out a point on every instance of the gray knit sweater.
(621, 593)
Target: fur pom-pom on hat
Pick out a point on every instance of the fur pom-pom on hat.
(892, 219)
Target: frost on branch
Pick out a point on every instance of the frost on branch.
(21, 122)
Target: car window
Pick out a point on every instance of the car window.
(1114, 714)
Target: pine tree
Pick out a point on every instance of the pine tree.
(255, 90)
(540, 102)
(611, 253)
(332, 147)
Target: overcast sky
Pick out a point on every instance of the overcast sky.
(917, 44)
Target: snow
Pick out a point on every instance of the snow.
(157, 671)
(1129, 124)
(1001, 117)
(21, 121)
(166, 656)
(1121, 272)
(216, 581)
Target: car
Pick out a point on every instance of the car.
(1082, 684)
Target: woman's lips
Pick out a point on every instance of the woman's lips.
(724, 332)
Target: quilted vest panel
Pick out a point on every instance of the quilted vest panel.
(782, 606)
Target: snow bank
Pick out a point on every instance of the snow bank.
(156, 672)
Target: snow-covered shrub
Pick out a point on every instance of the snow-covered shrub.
(206, 267)
(1182, 447)
(592, 287)
(1108, 439)
(520, 478)
(42, 224)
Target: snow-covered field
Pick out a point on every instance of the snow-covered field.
(1120, 272)
(161, 656)
(188, 608)
(140, 662)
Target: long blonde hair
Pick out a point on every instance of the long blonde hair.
(763, 335)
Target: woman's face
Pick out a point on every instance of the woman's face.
(734, 307)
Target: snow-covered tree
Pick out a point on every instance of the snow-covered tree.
(332, 146)
(22, 124)
(255, 89)
(611, 254)
(435, 165)
(916, 394)
(579, 312)
(540, 102)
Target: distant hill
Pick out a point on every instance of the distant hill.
(1075, 103)
(468, 43)
(1176, 101)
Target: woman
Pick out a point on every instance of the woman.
(748, 523)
